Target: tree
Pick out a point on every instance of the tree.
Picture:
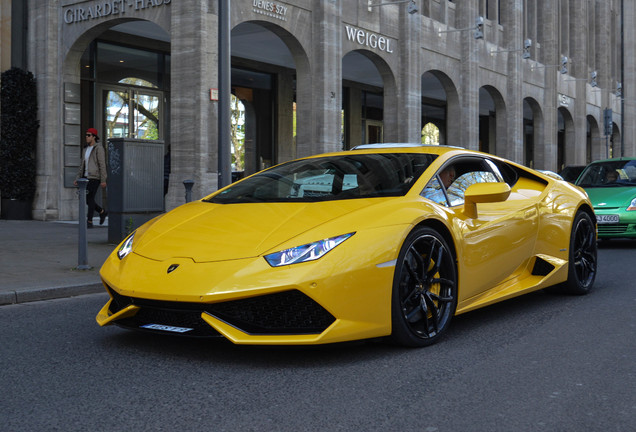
(237, 134)
(18, 132)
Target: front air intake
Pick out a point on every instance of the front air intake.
(288, 312)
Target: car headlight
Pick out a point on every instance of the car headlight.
(632, 205)
(306, 252)
(126, 247)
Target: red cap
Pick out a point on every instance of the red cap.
(92, 131)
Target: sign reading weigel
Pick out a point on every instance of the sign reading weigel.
(108, 8)
(369, 39)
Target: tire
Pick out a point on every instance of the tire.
(582, 257)
(424, 296)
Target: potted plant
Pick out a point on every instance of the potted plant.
(18, 132)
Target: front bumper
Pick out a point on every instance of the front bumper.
(625, 228)
(285, 313)
(343, 296)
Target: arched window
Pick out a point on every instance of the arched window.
(430, 134)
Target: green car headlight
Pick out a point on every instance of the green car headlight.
(306, 252)
(632, 205)
(126, 247)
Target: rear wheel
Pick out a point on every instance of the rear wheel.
(424, 289)
(582, 257)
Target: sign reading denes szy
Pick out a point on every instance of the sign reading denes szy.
(270, 6)
(105, 8)
(366, 38)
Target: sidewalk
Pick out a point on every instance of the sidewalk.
(38, 260)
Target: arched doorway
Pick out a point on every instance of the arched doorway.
(368, 87)
(440, 105)
(117, 80)
(270, 69)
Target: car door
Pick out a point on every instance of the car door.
(494, 246)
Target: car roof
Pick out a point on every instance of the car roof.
(623, 158)
(400, 145)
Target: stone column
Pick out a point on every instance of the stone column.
(43, 42)
(575, 148)
(607, 85)
(629, 79)
(193, 131)
(512, 18)
(546, 152)
(409, 122)
(467, 12)
(327, 79)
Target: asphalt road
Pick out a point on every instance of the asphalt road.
(537, 363)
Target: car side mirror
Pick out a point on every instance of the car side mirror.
(484, 193)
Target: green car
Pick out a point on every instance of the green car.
(611, 186)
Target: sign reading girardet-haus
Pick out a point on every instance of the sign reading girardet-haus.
(107, 8)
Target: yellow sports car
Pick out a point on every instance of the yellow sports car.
(380, 241)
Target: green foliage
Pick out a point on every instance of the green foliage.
(130, 226)
(430, 134)
(18, 133)
(237, 134)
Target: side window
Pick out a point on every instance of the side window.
(435, 191)
(449, 184)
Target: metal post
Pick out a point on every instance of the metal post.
(622, 80)
(188, 187)
(225, 74)
(82, 249)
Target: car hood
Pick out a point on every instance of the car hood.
(208, 232)
(611, 196)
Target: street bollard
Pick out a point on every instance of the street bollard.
(82, 250)
(188, 187)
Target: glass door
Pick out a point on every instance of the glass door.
(131, 112)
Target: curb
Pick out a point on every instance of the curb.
(37, 294)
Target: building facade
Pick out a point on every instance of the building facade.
(547, 83)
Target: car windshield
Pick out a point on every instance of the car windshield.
(611, 173)
(330, 178)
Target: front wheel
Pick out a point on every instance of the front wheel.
(424, 289)
(582, 260)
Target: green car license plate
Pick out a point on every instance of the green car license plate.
(607, 219)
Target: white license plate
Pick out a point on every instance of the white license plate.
(166, 328)
(607, 219)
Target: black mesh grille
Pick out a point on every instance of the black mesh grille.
(288, 312)
(280, 313)
(612, 229)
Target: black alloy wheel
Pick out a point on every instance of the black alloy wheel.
(424, 289)
(582, 261)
